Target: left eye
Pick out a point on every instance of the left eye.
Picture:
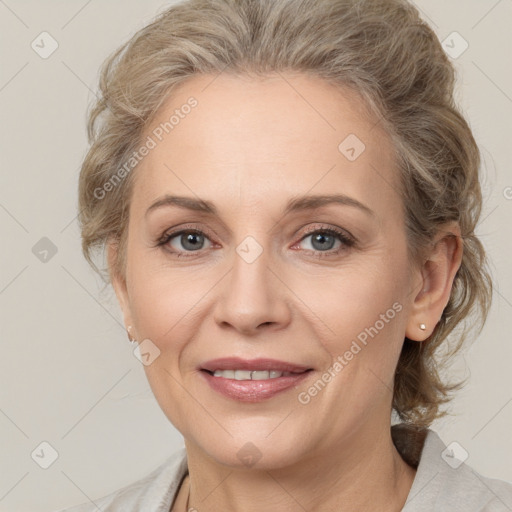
(324, 240)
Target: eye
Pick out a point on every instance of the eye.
(189, 240)
(326, 240)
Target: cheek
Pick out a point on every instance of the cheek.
(359, 312)
(361, 329)
(163, 305)
(164, 309)
(354, 297)
(164, 297)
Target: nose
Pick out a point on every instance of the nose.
(252, 298)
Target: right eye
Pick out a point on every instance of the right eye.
(184, 241)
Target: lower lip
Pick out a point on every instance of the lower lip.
(253, 390)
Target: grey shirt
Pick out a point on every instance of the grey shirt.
(443, 483)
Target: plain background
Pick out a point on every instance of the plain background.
(68, 374)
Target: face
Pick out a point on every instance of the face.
(288, 244)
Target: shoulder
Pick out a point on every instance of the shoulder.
(444, 482)
(155, 491)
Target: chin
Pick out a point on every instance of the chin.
(254, 448)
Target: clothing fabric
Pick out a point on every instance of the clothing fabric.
(443, 483)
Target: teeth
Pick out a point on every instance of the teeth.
(262, 375)
(250, 375)
(242, 374)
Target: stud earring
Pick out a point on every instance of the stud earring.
(129, 328)
(423, 327)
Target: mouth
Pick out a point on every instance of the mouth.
(251, 375)
(252, 380)
(252, 369)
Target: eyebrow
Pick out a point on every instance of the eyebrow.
(312, 202)
(293, 205)
(198, 205)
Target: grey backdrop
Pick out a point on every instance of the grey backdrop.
(69, 377)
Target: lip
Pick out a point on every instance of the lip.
(253, 390)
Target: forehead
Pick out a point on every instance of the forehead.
(224, 137)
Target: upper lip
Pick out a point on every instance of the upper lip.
(237, 363)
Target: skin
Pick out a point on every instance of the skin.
(248, 147)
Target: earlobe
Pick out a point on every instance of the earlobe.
(437, 274)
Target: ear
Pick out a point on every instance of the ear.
(436, 279)
(119, 283)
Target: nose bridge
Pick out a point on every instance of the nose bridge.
(252, 296)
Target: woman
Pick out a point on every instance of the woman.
(288, 198)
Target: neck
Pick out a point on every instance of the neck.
(354, 476)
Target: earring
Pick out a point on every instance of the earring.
(129, 328)
(423, 327)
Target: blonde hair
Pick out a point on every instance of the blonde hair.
(381, 50)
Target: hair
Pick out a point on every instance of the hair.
(382, 51)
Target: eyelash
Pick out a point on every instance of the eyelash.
(347, 241)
